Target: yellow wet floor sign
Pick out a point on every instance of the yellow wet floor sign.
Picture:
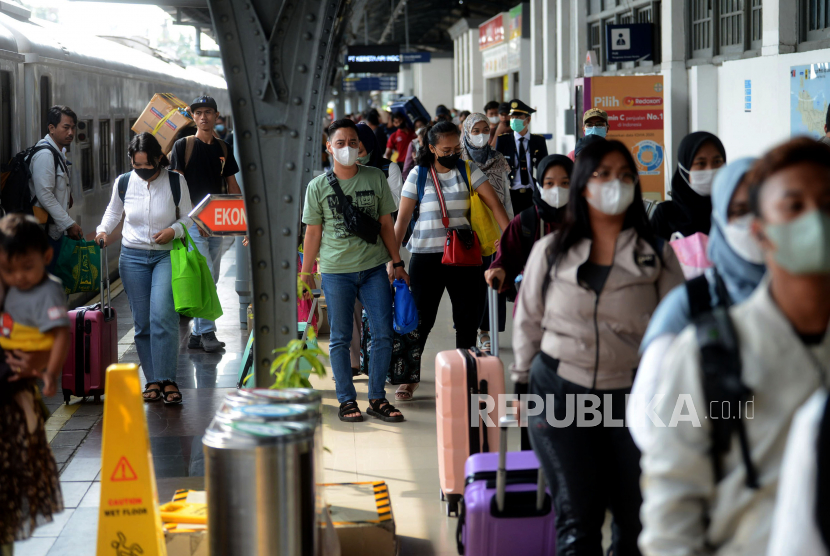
(129, 521)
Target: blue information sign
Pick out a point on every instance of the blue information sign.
(384, 83)
(416, 57)
(629, 42)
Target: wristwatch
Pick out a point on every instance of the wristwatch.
(399, 264)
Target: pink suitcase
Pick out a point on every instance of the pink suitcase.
(458, 375)
(94, 344)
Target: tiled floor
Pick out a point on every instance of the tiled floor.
(403, 454)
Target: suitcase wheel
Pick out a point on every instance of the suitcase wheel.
(452, 505)
(66, 397)
(97, 398)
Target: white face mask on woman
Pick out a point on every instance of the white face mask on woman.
(612, 197)
(739, 237)
(478, 141)
(699, 180)
(346, 156)
(555, 196)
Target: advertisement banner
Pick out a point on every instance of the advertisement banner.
(809, 94)
(494, 61)
(635, 117)
(491, 32)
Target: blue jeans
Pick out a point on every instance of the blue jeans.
(211, 249)
(371, 287)
(147, 277)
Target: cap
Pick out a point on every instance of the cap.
(441, 110)
(519, 107)
(594, 113)
(204, 101)
(504, 108)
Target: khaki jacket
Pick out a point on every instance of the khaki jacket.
(684, 512)
(596, 338)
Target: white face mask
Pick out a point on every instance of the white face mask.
(700, 180)
(555, 197)
(346, 156)
(739, 237)
(479, 140)
(493, 119)
(613, 197)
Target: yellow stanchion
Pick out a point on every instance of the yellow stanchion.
(129, 521)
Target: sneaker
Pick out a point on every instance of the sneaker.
(209, 342)
(195, 342)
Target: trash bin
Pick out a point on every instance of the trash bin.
(260, 482)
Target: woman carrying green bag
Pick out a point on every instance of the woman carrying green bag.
(155, 204)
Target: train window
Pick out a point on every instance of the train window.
(5, 116)
(45, 102)
(120, 147)
(104, 151)
(86, 168)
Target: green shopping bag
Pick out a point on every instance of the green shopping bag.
(78, 266)
(194, 292)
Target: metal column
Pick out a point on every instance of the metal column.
(278, 57)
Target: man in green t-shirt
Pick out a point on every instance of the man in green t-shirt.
(353, 268)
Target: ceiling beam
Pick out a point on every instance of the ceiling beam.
(390, 25)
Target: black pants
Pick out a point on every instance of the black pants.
(521, 200)
(590, 469)
(429, 279)
(484, 325)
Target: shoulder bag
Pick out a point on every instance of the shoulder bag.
(357, 222)
(462, 247)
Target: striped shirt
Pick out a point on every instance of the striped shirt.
(430, 234)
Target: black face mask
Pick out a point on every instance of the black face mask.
(145, 173)
(449, 161)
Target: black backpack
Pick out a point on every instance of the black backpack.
(16, 195)
(721, 364)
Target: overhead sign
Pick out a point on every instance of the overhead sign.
(221, 215)
(635, 117)
(384, 83)
(629, 42)
(416, 57)
(491, 32)
(129, 521)
(375, 58)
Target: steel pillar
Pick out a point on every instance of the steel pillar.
(278, 56)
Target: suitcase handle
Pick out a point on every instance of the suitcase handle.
(106, 307)
(316, 294)
(501, 475)
(493, 293)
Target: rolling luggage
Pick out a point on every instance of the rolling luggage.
(93, 345)
(411, 107)
(459, 374)
(506, 508)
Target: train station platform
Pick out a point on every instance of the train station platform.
(402, 454)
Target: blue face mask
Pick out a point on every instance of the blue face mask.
(599, 131)
(219, 128)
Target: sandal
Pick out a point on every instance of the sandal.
(176, 395)
(405, 391)
(484, 342)
(350, 407)
(155, 392)
(382, 409)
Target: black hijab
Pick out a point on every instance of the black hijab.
(547, 212)
(687, 212)
(370, 143)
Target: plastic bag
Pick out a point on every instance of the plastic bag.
(405, 313)
(78, 266)
(691, 252)
(194, 292)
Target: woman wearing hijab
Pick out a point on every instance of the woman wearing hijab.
(543, 218)
(698, 158)
(475, 134)
(738, 269)
(370, 155)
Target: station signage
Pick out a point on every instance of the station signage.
(381, 83)
(416, 57)
(221, 215)
(374, 58)
(491, 32)
(629, 42)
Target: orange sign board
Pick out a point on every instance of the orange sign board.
(634, 104)
(221, 215)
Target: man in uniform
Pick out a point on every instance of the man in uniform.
(523, 150)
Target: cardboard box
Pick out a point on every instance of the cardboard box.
(362, 517)
(165, 117)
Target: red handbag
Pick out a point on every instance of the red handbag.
(462, 247)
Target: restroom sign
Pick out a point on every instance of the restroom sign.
(629, 42)
(221, 215)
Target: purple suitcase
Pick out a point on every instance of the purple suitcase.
(513, 481)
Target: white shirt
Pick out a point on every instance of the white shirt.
(395, 181)
(517, 178)
(51, 189)
(149, 208)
